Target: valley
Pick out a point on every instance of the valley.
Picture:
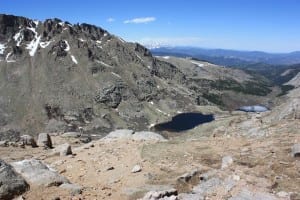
(87, 115)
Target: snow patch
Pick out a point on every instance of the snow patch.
(81, 40)
(151, 125)
(18, 37)
(45, 44)
(7, 57)
(151, 102)
(36, 22)
(105, 34)
(61, 23)
(166, 57)
(2, 48)
(98, 41)
(103, 63)
(149, 67)
(68, 46)
(33, 45)
(74, 59)
(198, 64)
(117, 75)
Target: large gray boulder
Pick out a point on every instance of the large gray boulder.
(131, 135)
(147, 135)
(119, 134)
(296, 150)
(28, 140)
(36, 172)
(44, 140)
(11, 183)
(63, 149)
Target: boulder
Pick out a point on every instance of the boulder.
(296, 150)
(63, 149)
(44, 140)
(136, 168)
(147, 135)
(11, 183)
(28, 140)
(137, 136)
(119, 134)
(36, 172)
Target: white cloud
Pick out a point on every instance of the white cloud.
(110, 20)
(142, 20)
(172, 41)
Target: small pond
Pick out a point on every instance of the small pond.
(183, 122)
(255, 108)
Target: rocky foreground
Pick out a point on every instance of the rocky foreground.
(143, 165)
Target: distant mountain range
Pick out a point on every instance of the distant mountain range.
(230, 57)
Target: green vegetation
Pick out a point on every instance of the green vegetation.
(214, 98)
(285, 89)
(259, 88)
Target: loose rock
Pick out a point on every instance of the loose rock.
(63, 149)
(136, 168)
(44, 140)
(296, 150)
(28, 140)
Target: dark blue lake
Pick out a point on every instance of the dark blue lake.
(183, 122)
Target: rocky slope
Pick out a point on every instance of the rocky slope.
(57, 77)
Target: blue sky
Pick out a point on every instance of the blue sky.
(266, 25)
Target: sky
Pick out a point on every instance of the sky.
(263, 25)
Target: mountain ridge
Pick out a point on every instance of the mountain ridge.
(56, 77)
